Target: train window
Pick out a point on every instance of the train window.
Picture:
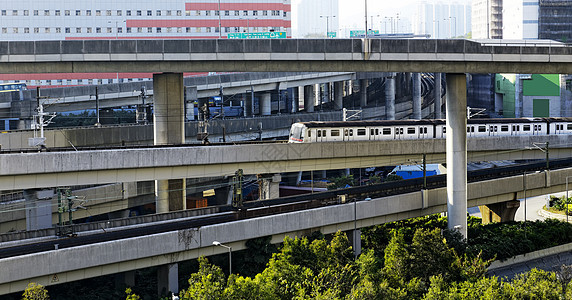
(504, 128)
(496, 128)
(411, 130)
(351, 132)
(319, 133)
(444, 129)
(400, 130)
(324, 133)
(309, 133)
(482, 128)
(345, 132)
(361, 132)
(525, 127)
(468, 129)
(517, 127)
(377, 131)
(386, 131)
(371, 131)
(535, 127)
(569, 127)
(335, 132)
(472, 128)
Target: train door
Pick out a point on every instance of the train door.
(423, 132)
(348, 134)
(537, 129)
(558, 128)
(398, 133)
(321, 135)
(493, 130)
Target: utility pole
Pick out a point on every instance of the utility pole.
(97, 123)
(237, 200)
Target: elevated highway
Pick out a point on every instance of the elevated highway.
(70, 264)
(48, 169)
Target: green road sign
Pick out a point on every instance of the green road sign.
(332, 34)
(356, 33)
(257, 35)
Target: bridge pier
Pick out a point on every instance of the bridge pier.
(38, 208)
(355, 240)
(390, 97)
(269, 186)
(168, 119)
(438, 88)
(124, 280)
(338, 95)
(363, 93)
(456, 152)
(168, 279)
(309, 98)
(416, 82)
(266, 104)
(499, 212)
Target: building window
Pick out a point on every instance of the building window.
(14, 12)
(217, 12)
(139, 13)
(119, 13)
(46, 12)
(47, 30)
(58, 30)
(36, 30)
(158, 29)
(236, 13)
(68, 30)
(108, 12)
(36, 13)
(179, 13)
(57, 12)
(15, 30)
(187, 13)
(255, 13)
(227, 29)
(4, 30)
(119, 29)
(208, 29)
(26, 12)
(169, 29)
(284, 14)
(128, 13)
(89, 30)
(78, 30)
(98, 12)
(197, 13)
(265, 13)
(179, 30)
(149, 13)
(109, 30)
(67, 12)
(3, 12)
(88, 12)
(168, 12)
(207, 12)
(128, 30)
(158, 13)
(27, 30)
(98, 30)
(78, 12)
(198, 29)
(227, 13)
(245, 13)
(149, 29)
(140, 29)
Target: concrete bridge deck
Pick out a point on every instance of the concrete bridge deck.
(49, 169)
(70, 264)
(295, 55)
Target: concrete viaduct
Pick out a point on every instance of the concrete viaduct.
(70, 264)
(170, 58)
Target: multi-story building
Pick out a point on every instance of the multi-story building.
(520, 19)
(315, 17)
(487, 19)
(442, 19)
(129, 19)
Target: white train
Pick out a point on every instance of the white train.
(338, 131)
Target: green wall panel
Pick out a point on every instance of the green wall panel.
(541, 108)
(542, 85)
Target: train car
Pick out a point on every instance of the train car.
(12, 87)
(337, 131)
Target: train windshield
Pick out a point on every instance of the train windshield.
(297, 133)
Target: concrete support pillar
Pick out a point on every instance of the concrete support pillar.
(390, 97)
(270, 186)
(456, 151)
(294, 99)
(416, 82)
(438, 88)
(499, 212)
(266, 104)
(518, 98)
(168, 279)
(124, 280)
(169, 128)
(309, 98)
(38, 208)
(363, 93)
(338, 95)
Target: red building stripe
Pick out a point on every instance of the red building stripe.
(74, 76)
(210, 23)
(237, 6)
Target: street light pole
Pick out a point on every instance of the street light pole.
(454, 18)
(216, 243)
(366, 19)
(219, 22)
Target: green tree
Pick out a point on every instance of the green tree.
(341, 182)
(131, 295)
(35, 291)
(431, 256)
(535, 284)
(208, 283)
